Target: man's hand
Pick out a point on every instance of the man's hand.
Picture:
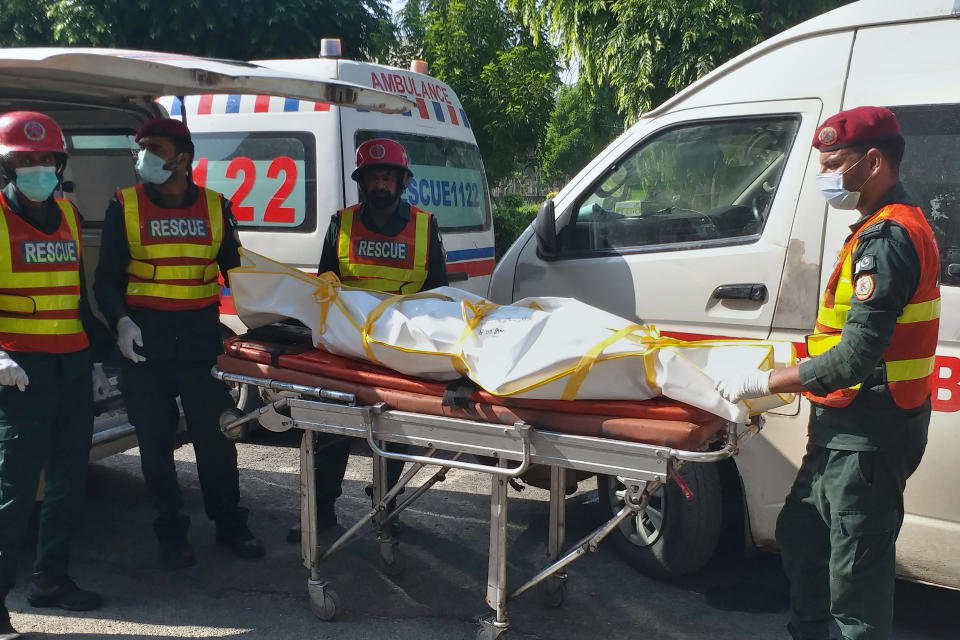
(11, 373)
(128, 334)
(101, 385)
(740, 386)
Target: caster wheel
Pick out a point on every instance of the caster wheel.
(491, 634)
(324, 602)
(553, 592)
(391, 560)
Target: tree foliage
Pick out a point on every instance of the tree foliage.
(217, 28)
(583, 122)
(647, 50)
(504, 76)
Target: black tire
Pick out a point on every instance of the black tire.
(674, 537)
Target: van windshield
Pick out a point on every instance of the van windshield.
(269, 176)
(448, 179)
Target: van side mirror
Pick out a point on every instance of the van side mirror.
(546, 230)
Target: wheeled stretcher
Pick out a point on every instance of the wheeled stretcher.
(643, 443)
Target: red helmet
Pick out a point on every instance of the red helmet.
(382, 152)
(30, 131)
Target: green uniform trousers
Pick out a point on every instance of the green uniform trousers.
(150, 390)
(837, 534)
(48, 425)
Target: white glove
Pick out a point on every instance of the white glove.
(11, 373)
(128, 334)
(101, 385)
(748, 384)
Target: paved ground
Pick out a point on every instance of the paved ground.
(439, 596)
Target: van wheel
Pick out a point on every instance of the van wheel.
(673, 536)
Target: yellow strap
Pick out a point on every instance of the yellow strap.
(149, 271)
(131, 215)
(588, 359)
(22, 305)
(371, 321)
(920, 312)
(901, 370)
(173, 291)
(38, 326)
(41, 279)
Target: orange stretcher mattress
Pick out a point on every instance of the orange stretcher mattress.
(288, 355)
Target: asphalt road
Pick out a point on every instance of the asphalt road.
(439, 595)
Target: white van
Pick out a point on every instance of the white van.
(101, 96)
(286, 163)
(704, 219)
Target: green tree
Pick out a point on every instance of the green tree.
(217, 28)
(583, 122)
(505, 77)
(647, 50)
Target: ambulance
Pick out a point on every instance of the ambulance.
(101, 96)
(704, 220)
(286, 163)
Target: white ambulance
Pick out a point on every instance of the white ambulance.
(704, 219)
(286, 163)
(101, 96)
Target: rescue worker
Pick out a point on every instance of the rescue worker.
(869, 382)
(164, 241)
(384, 244)
(47, 376)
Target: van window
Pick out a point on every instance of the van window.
(101, 162)
(270, 177)
(709, 182)
(448, 179)
(929, 173)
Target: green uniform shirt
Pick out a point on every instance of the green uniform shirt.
(872, 421)
(46, 368)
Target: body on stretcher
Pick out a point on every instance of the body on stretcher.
(643, 443)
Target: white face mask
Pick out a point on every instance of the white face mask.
(831, 188)
(152, 168)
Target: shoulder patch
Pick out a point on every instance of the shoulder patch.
(864, 287)
(865, 263)
(873, 231)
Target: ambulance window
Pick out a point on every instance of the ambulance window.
(929, 173)
(101, 162)
(269, 176)
(448, 179)
(709, 182)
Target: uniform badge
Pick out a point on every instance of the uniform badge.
(34, 130)
(378, 151)
(866, 263)
(864, 286)
(827, 135)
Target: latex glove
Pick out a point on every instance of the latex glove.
(747, 384)
(101, 385)
(128, 334)
(11, 373)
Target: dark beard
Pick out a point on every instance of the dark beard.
(381, 199)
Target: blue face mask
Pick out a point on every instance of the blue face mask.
(152, 168)
(37, 183)
(831, 188)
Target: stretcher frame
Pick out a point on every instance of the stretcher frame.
(643, 468)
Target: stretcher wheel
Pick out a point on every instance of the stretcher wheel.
(491, 633)
(324, 601)
(391, 560)
(553, 591)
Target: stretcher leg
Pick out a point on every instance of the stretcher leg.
(495, 625)
(323, 600)
(637, 498)
(554, 588)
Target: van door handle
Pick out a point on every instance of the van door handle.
(756, 292)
